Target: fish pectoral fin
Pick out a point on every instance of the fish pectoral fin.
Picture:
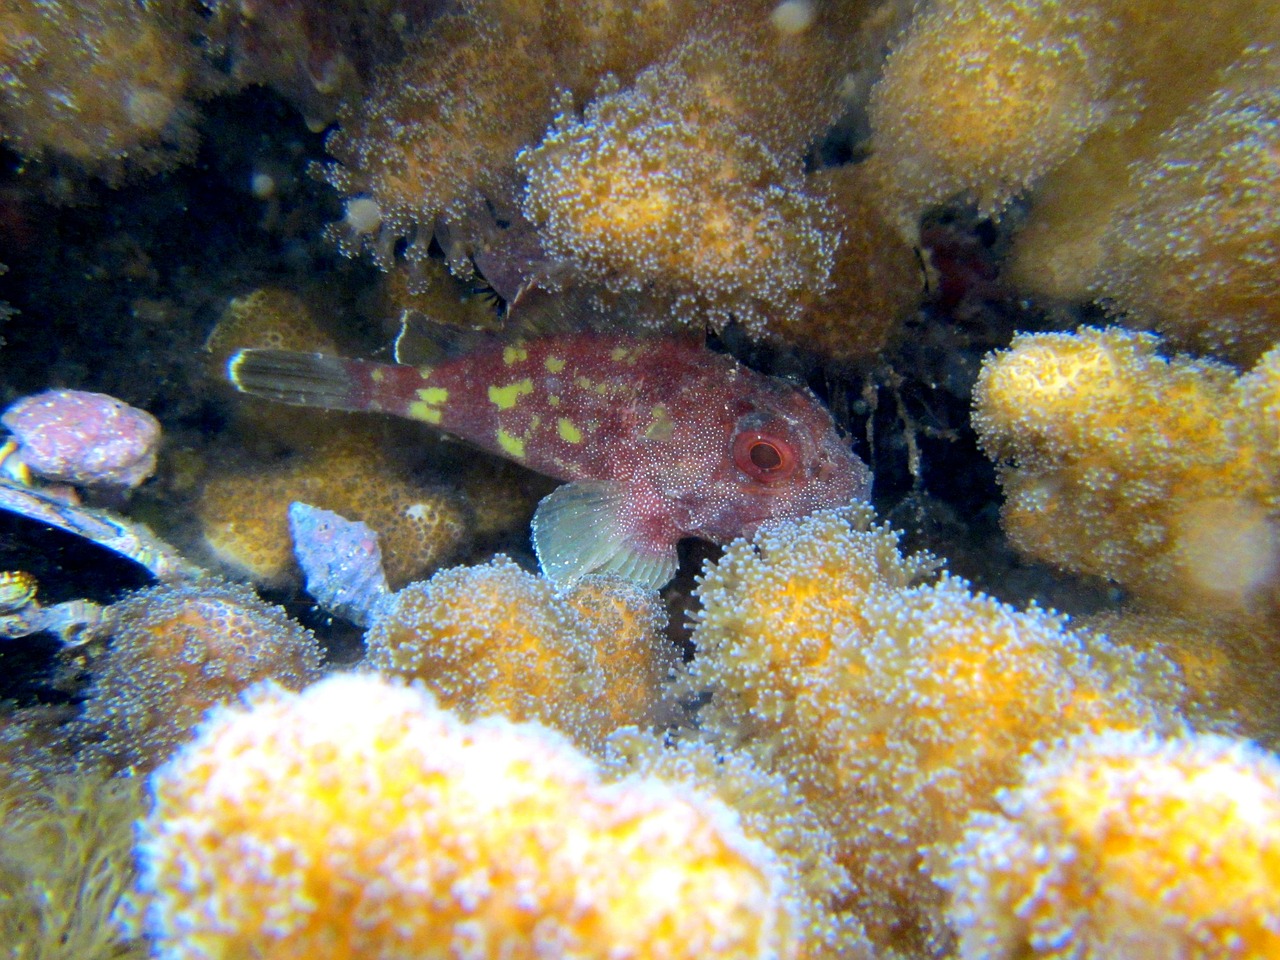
(583, 528)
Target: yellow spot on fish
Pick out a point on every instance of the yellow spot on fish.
(513, 446)
(624, 355)
(377, 376)
(583, 382)
(424, 372)
(554, 364)
(534, 424)
(602, 388)
(553, 400)
(504, 398)
(661, 426)
(568, 431)
(433, 395)
(512, 355)
(424, 411)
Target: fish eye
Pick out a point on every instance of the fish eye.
(763, 456)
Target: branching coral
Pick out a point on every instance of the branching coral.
(438, 135)
(636, 197)
(688, 184)
(358, 819)
(1172, 58)
(1229, 666)
(983, 98)
(495, 639)
(685, 186)
(1140, 189)
(178, 650)
(1122, 845)
(895, 706)
(875, 279)
(666, 161)
(1121, 463)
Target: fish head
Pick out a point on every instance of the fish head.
(783, 459)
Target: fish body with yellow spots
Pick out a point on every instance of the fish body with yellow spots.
(658, 439)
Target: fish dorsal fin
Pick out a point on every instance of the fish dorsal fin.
(581, 528)
(423, 341)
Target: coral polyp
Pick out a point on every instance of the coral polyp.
(1119, 462)
(892, 704)
(495, 639)
(104, 84)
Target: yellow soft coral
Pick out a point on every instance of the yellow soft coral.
(1229, 666)
(1124, 464)
(637, 197)
(178, 649)
(243, 513)
(680, 180)
(983, 98)
(359, 820)
(876, 279)
(772, 811)
(992, 99)
(894, 707)
(438, 134)
(1121, 846)
(585, 659)
(103, 83)
(1196, 253)
(1171, 58)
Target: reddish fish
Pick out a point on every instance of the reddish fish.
(658, 439)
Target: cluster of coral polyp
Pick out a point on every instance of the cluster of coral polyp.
(1157, 473)
(1142, 136)
(401, 832)
(653, 150)
(887, 764)
(861, 756)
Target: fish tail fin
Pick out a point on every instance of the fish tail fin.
(301, 379)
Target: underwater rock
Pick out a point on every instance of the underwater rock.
(81, 438)
(341, 562)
